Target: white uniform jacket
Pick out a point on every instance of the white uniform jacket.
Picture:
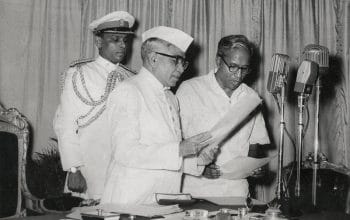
(87, 147)
(203, 103)
(145, 138)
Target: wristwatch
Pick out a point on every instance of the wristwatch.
(73, 170)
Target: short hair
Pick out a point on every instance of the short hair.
(226, 44)
(149, 45)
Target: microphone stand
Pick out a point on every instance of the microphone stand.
(315, 165)
(279, 190)
(281, 202)
(301, 103)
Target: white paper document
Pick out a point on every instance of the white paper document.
(236, 115)
(231, 120)
(141, 210)
(242, 167)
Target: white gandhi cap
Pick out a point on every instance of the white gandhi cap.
(174, 36)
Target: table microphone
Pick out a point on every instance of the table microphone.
(278, 74)
(306, 77)
(320, 55)
(276, 85)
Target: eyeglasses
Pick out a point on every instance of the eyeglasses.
(178, 59)
(233, 68)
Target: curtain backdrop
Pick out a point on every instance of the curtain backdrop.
(39, 38)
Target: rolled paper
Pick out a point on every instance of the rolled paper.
(233, 118)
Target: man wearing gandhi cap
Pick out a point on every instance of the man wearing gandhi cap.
(148, 149)
(80, 121)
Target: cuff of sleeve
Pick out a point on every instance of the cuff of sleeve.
(191, 166)
(66, 166)
(70, 157)
(74, 169)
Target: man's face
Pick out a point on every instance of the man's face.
(169, 69)
(113, 46)
(233, 67)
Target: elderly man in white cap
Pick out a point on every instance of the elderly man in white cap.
(80, 122)
(148, 149)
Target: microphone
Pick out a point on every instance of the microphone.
(306, 77)
(278, 73)
(318, 54)
(276, 84)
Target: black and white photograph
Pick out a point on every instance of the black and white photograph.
(175, 109)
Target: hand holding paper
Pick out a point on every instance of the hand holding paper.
(242, 167)
(194, 144)
(207, 156)
(212, 171)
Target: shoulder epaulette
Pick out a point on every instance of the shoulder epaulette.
(127, 69)
(81, 61)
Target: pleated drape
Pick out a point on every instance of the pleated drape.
(38, 40)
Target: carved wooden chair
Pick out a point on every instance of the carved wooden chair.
(14, 138)
(15, 196)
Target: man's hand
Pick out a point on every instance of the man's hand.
(194, 144)
(212, 171)
(256, 152)
(259, 172)
(207, 156)
(76, 182)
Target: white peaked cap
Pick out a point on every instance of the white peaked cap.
(117, 22)
(174, 36)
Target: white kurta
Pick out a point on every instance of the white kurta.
(203, 103)
(145, 139)
(89, 148)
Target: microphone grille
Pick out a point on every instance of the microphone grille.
(280, 63)
(318, 54)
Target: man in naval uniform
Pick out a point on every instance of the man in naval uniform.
(80, 122)
(148, 149)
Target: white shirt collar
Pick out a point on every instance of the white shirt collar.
(214, 83)
(108, 65)
(152, 80)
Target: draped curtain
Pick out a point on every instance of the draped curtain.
(39, 38)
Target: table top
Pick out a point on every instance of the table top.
(323, 215)
(215, 204)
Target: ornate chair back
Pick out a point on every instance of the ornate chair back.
(14, 139)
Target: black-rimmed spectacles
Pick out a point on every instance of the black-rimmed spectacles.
(178, 59)
(233, 68)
